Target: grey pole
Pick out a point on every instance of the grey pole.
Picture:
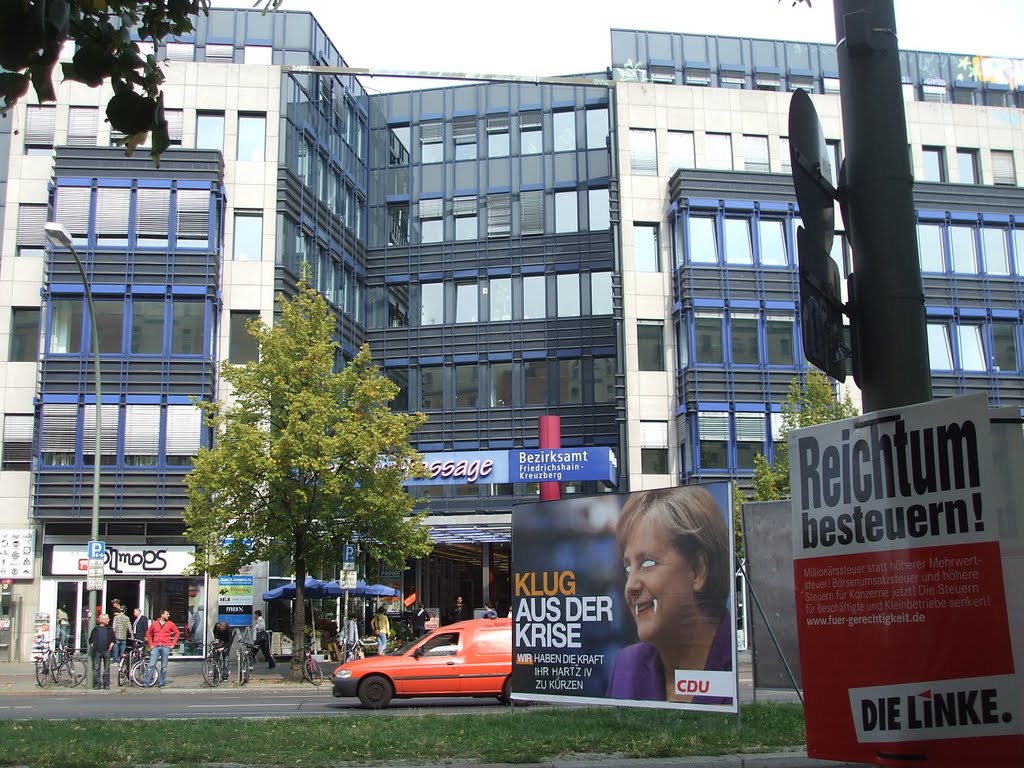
(888, 299)
(58, 235)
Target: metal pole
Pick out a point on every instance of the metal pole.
(888, 298)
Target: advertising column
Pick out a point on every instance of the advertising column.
(905, 648)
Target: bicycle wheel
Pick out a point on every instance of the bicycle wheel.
(124, 669)
(138, 674)
(72, 671)
(211, 671)
(312, 672)
(244, 665)
(43, 670)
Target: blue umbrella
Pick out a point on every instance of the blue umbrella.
(362, 589)
(314, 588)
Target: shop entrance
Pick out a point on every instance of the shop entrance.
(128, 591)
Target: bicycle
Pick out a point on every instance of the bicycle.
(213, 666)
(48, 662)
(311, 667)
(135, 652)
(71, 671)
(246, 658)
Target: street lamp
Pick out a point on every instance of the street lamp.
(58, 235)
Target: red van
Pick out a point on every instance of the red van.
(468, 658)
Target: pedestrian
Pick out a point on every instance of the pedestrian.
(223, 637)
(381, 628)
(162, 635)
(489, 612)
(419, 620)
(63, 626)
(352, 649)
(458, 611)
(140, 623)
(122, 629)
(262, 638)
(101, 644)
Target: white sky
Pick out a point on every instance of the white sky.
(558, 37)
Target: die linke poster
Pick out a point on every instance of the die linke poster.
(902, 621)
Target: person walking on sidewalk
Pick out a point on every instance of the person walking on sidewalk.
(162, 635)
(122, 629)
(140, 624)
(101, 644)
(262, 637)
(381, 627)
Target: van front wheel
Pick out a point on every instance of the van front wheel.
(375, 692)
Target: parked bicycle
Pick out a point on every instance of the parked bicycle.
(311, 670)
(246, 660)
(135, 651)
(213, 666)
(48, 661)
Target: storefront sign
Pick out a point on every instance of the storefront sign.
(521, 465)
(905, 649)
(123, 560)
(609, 616)
(234, 600)
(17, 549)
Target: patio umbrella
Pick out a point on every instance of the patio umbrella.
(362, 589)
(314, 588)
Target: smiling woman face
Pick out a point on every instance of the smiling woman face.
(660, 584)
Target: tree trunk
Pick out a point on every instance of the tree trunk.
(298, 621)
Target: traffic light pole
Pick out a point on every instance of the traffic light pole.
(890, 338)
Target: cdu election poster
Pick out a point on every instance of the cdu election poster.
(626, 599)
(905, 647)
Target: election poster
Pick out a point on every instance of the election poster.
(905, 647)
(626, 599)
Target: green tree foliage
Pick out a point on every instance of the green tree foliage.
(305, 458)
(32, 33)
(739, 498)
(814, 403)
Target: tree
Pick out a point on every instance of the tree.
(814, 403)
(32, 33)
(305, 458)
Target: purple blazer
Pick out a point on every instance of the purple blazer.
(637, 672)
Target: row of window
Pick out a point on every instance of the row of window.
(967, 162)
(974, 345)
(130, 436)
(325, 177)
(965, 247)
(739, 336)
(495, 299)
(567, 381)
(734, 238)
(460, 138)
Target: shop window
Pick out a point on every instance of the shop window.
(564, 127)
(650, 345)
(252, 133)
(534, 297)
(248, 243)
(242, 346)
(646, 257)
(940, 348)
(499, 292)
(24, 343)
(567, 295)
(601, 299)
(604, 379)
(708, 335)
(570, 382)
(17, 446)
(431, 303)
(643, 152)
(535, 382)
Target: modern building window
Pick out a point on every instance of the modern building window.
(940, 348)
(743, 333)
(465, 212)
(242, 346)
(210, 130)
(567, 293)
(597, 128)
(994, 251)
(719, 151)
(17, 447)
(24, 344)
(779, 331)
(109, 415)
(258, 54)
(502, 383)
(680, 150)
(531, 212)
(750, 435)
(82, 126)
(220, 53)
(31, 240)
(772, 238)
(646, 257)
(399, 142)
(1004, 171)
(467, 385)
(967, 165)
(498, 136)
(141, 435)
(193, 219)
(500, 298)
(248, 245)
(1018, 248)
(535, 382)
(785, 158)
(398, 224)
(930, 249)
(531, 133)
(431, 142)
(601, 298)
(714, 440)
(467, 303)
(564, 129)
(835, 157)
(400, 378)
(58, 430)
(566, 212)
(499, 215)
(737, 241)
(110, 325)
(40, 124)
(643, 152)
(703, 241)
(432, 387)
(464, 136)
(152, 217)
(252, 136)
(654, 447)
(599, 212)
(972, 348)
(65, 326)
(431, 303)
(431, 221)
(1004, 346)
(708, 334)
(112, 204)
(187, 327)
(570, 381)
(180, 51)
(650, 345)
(604, 379)
(965, 256)
(934, 159)
(534, 297)
(755, 154)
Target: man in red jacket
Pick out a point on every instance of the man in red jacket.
(162, 635)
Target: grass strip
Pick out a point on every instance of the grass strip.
(519, 735)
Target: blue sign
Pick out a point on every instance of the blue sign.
(97, 550)
(348, 553)
(520, 465)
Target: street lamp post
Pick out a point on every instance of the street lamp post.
(58, 235)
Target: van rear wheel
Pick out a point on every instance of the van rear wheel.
(375, 692)
(505, 697)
